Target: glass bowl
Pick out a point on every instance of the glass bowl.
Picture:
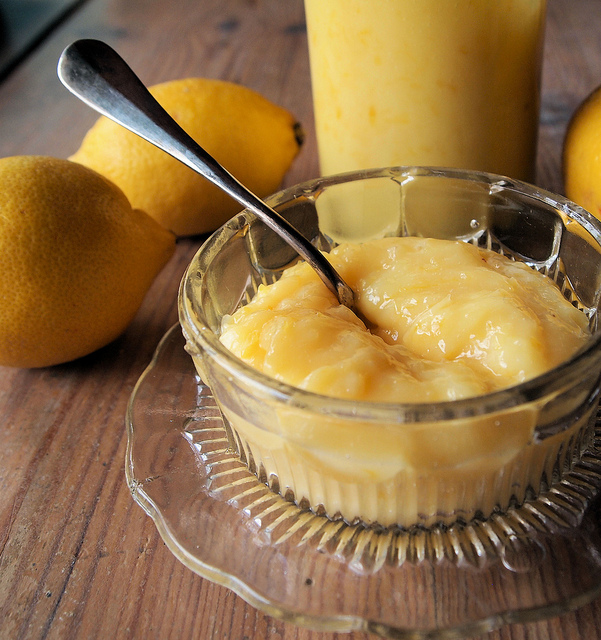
(402, 466)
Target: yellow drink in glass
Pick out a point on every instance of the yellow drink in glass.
(427, 82)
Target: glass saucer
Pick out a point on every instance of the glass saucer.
(535, 561)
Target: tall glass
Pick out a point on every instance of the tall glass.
(427, 82)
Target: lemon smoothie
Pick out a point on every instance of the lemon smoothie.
(426, 82)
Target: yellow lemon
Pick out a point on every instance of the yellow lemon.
(253, 138)
(75, 260)
(582, 155)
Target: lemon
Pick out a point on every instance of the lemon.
(582, 155)
(75, 260)
(253, 138)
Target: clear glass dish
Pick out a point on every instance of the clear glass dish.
(418, 464)
(536, 561)
(516, 542)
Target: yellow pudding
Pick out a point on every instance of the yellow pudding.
(450, 321)
(426, 82)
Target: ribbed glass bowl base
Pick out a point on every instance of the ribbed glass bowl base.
(533, 561)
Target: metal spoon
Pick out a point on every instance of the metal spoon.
(96, 74)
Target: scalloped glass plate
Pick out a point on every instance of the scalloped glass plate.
(535, 561)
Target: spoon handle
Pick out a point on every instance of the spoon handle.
(98, 76)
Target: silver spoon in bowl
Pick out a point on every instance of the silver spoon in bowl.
(96, 74)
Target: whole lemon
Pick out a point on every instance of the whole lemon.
(582, 155)
(253, 138)
(75, 260)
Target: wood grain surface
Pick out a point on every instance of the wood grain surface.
(78, 558)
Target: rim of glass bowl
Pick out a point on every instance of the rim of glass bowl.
(197, 330)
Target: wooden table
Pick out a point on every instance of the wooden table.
(78, 558)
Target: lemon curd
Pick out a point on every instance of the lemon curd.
(450, 321)
(426, 82)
